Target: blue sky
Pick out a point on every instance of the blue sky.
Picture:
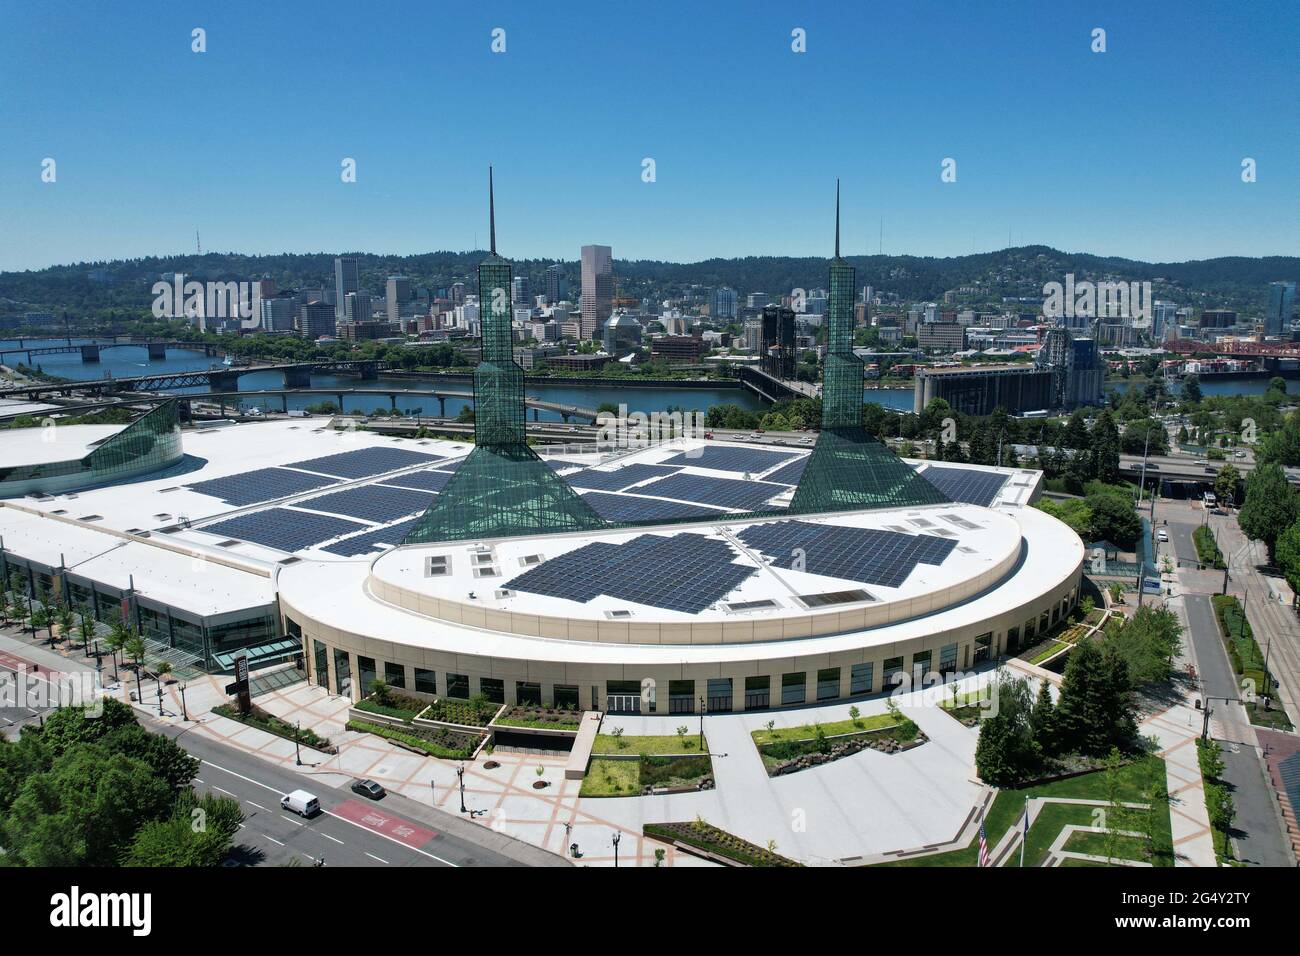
(1133, 152)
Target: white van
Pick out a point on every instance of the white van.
(301, 802)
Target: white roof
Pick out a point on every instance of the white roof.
(41, 445)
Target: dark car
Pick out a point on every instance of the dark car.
(369, 789)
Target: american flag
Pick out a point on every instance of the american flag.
(984, 846)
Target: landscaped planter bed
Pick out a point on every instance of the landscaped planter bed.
(791, 756)
(715, 843)
(467, 713)
(262, 720)
(449, 744)
(539, 718)
(402, 707)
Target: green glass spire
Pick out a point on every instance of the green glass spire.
(849, 469)
(502, 489)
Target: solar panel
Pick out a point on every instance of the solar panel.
(618, 479)
(791, 473)
(627, 508)
(724, 458)
(364, 462)
(868, 555)
(370, 540)
(282, 529)
(735, 494)
(965, 484)
(371, 502)
(433, 481)
(254, 487)
(683, 572)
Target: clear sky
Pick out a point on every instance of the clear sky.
(1135, 152)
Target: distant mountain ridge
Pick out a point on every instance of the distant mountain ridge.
(124, 285)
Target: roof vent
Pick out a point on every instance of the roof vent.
(91, 518)
(619, 614)
(762, 605)
(529, 560)
(503, 593)
(436, 566)
(485, 571)
(834, 597)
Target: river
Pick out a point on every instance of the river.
(126, 361)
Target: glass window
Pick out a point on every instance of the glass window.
(566, 695)
(342, 673)
(681, 697)
(528, 693)
(367, 672)
(920, 667)
(794, 688)
(828, 683)
(860, 676)
(426, 681)
(394, 675)
(948, 658)
(719, 690)
(493, 688)
(1013, 640)
(893, 673)
(757, 691)
(1029, 631)
(320, 663)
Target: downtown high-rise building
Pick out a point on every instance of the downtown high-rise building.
(346, 279)
(597, 289)
(519, 292)
(397, 294)
(724, 303)
(1281, 302)
(557, 285)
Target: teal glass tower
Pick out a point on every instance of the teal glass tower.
(849, 469)
(502, 489)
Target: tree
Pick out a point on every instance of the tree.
(1042, 720)
(1148, 643)
(1114, 518)
(1192, 390)
(1104, 438)
(1006, 752)
(1225, 483)
(1095, 711)
(1270, 507)
(198, 833)
(1288, 555)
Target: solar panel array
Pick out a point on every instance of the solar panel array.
(364, 462)
(424, 480)
(868, 555)
(367, 542)
(627, 508)
(264, 484)
(283, 529)
(684, 572)
(371, 502)
(619, 479)
(962, 484)
(791, 473)
(726, 458)
(733, 493)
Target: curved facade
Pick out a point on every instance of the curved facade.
(456, 634)
(150, 443)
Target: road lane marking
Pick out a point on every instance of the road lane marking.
(259, 783)
(328, 837)
(273, 840)
(297, 823)
(226, 792)
(381, 860)
(258, 805)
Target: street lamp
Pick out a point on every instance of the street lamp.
(460, 776)
(701, 724)
(617, 836)
(185, 714)
(297, 753)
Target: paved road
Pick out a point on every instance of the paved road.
(351, 830)
(1257, 830)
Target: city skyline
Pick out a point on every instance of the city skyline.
(1134, 152)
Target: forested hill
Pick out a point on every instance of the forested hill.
(102, 288)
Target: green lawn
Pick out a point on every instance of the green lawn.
(611, 778)
(1009, 804)
(1126, 848)
(832, 729)
(609, 744)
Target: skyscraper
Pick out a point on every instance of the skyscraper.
(345, 280)
(597, 288)
(398, 294)
(557, 286)
(519, 294)
(724, 303)
(502, 488)
(1281, 300)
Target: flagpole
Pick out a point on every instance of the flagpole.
(1024, 837)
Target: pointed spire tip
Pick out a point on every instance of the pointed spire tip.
(492, 215)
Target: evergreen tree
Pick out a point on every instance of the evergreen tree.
(1105, 448)
(1042, 720)
(1006, 752)
(1270, 507)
